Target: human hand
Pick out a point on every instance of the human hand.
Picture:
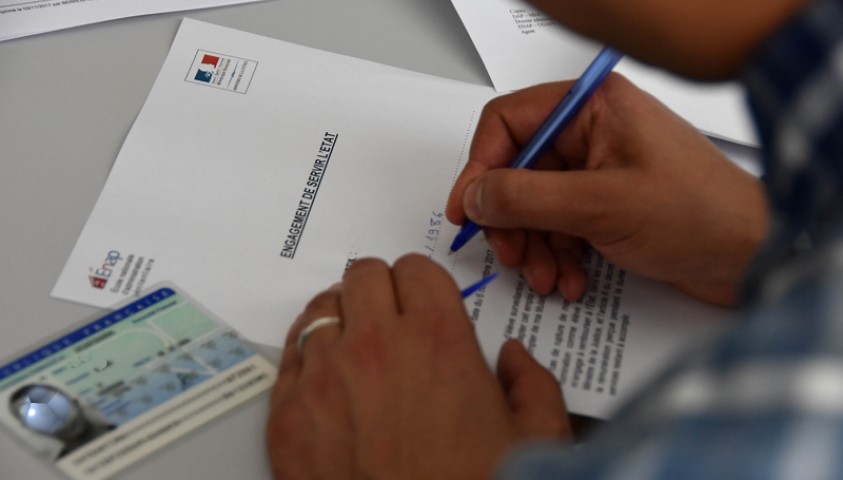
(705, 40)
(628, 176)
(401, 389)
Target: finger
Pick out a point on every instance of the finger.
(368, 295)
(595, 205)
(509, 122)
(433, 316)
(506, 124)
(492, 135)
(290, 368)
(509, 245)
(289, 373)
(454, 209)
(325, 304)
(533, 394)
(556, 266)
(571, 278)
(539, 267)
(422, 284)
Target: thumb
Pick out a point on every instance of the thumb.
(590, 204)
(533, 394)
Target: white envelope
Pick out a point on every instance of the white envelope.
(257, 170)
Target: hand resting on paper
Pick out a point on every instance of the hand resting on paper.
(400, 389)
(628, 177)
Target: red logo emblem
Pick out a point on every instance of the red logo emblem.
(97, 282)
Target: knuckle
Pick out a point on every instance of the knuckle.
(411, 258)
(493, 106)
(365, 264)
(411, 261)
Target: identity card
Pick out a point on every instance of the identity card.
(117, 388)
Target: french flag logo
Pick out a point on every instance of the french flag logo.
(207, 69)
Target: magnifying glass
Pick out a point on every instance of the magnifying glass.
(45, 409)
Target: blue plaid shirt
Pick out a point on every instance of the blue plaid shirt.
(765, 400)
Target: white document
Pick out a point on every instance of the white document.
(521, 46)
(258, 170)
(20, 18)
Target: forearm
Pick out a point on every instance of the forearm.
(707, 40)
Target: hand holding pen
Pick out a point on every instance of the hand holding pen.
(549, 131)
(627, 178)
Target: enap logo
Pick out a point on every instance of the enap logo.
(99, 275)
(221, 71)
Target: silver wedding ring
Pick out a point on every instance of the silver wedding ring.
(313, 326)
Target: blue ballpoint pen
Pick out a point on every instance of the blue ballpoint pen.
(550, 129)
(469, 290)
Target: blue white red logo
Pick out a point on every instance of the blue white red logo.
(221, 71)
(205, 72)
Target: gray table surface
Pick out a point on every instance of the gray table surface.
(67, 101)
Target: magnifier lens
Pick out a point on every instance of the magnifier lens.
(45, 410)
